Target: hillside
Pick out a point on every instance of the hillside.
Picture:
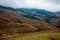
(55, 22)
(36, 14)
(40, 14)
(14, 23)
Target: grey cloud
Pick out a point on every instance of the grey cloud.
(51, 5)
(55, 1)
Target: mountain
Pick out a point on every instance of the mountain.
(40, 14)
(8, 8)
(12, 22)
(57, 14)
(36, 14)
(32, 13)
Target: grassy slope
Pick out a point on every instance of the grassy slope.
(10, 19)
(37, 36)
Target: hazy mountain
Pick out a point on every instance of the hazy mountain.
(32, 13)
(35, 14)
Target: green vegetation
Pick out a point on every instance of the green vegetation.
(37, 36)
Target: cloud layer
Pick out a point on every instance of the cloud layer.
(55, 1)
(51, 5)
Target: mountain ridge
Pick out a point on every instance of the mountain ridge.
(12, 22)
(35, 14)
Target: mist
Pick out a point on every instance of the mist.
(51, 5)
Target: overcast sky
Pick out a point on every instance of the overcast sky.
(51, 5)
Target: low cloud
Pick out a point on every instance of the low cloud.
(40, 4)
(55, 1)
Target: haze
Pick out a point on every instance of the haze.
(51, 5)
